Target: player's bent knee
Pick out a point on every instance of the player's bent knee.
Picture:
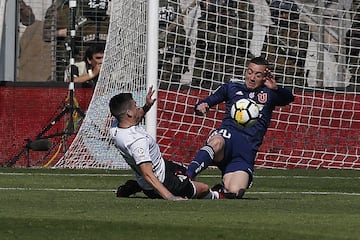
(217, 142)
(201, 189)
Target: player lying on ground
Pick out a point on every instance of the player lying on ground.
(233, 148)
(155, 176)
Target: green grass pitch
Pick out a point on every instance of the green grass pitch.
(81, 204)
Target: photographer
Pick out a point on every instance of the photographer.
(91, 21)
(87, 71)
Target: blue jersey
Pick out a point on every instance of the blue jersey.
(244, 142)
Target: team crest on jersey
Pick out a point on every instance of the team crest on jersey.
(262, 97)
(140, 150)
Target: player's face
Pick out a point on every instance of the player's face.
(97, 59)
(254, 76)
(133, 110)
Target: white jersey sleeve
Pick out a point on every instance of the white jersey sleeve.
(137, 146)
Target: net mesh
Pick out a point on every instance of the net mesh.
(124, 59)
(313, 48)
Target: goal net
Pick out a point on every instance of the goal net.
(313, 48)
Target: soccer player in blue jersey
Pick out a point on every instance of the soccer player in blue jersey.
(231, 147)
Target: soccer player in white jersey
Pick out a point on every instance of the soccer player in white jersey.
(154, 175)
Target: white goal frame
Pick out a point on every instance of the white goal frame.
(2, 19)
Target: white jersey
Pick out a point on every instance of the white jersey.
(137, 146)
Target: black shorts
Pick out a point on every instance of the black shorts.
(176, 182)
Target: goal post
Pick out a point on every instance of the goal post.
(123, 70)
(152, 62)
(313, 49)
(2, 19)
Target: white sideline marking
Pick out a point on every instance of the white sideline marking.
(113, 190)
(287, 177)
(131, 175)
(69, 174)
(308, 193)
(58, 189)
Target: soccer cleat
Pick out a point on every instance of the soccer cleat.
(220, 189)
(217, 187)
(227, 195)
(221, 195)
(241, 193)
(129, 188)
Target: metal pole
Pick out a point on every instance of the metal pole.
(72, 6)
(152, 62)
(9, 42)
(344, 7)
(320, 55)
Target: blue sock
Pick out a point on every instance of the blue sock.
(201, 161)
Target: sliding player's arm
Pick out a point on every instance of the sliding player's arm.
(140, 152)
(148, 174)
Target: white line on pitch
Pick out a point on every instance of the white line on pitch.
(69, 174)
(58, 189)
(113, 190)
(308, 193)
(131, 175)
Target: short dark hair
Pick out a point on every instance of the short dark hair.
(119, 104)
(93, 49)
(259, 61)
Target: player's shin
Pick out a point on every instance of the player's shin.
(201, 161)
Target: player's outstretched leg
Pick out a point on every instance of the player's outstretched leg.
(203, 191)
(202, 160)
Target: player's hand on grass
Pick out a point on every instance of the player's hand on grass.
(176, 198)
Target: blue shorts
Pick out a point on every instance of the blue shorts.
(239, 152)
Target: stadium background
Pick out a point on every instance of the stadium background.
(27, 108)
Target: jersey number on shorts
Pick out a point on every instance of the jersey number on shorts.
(222, 132)
(181, 177)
